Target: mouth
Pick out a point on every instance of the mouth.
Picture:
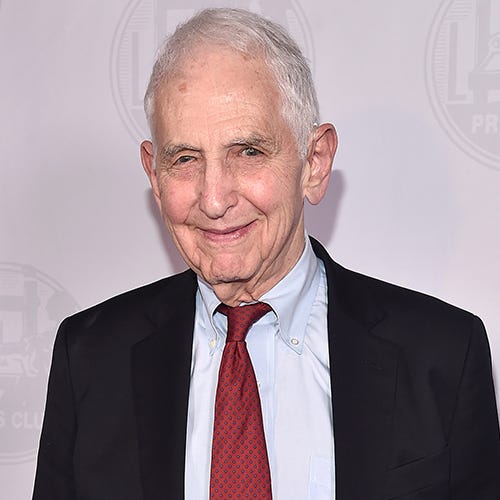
(227, 235)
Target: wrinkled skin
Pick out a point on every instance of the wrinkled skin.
(227, 175)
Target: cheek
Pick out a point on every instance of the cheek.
(176, 202)
(278, 194)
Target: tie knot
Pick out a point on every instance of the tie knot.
(240, 319)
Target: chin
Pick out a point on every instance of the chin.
(220, 279)
(225, 276)
(227, 269)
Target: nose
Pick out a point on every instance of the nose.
(217, 190)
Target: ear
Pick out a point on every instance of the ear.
(148, 163)
(319, 162)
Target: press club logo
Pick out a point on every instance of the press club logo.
(144, 25)
(463, 75)
(31, 306)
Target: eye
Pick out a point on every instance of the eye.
(250, 151)
(184, 159)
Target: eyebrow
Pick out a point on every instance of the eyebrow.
(254, 140)
(170, 150)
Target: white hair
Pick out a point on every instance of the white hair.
(250, 34)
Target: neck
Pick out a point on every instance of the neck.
(237, 292)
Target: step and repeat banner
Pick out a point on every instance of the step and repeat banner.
(412, 87)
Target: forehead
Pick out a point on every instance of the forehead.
(205, 61)
(216, 83)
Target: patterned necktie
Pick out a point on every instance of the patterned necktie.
(240, 467)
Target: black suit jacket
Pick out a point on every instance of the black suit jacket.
(413, 400)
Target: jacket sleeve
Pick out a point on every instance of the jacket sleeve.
(54, 476)
(474, 438)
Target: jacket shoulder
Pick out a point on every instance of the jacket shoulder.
(401, 312)
(148, 301)
(405, 302)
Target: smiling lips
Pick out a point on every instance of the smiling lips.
(227, 235)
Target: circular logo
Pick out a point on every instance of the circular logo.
(463, 75)
(31, 307)
(143, 27)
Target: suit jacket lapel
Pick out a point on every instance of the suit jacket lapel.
(363, 377)
(363, 373)
(161, 366)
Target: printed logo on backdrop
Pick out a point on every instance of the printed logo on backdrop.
(31, 307)
(463, 75)
(142, 28)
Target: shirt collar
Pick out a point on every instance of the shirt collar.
(207, 300)
(291, 299)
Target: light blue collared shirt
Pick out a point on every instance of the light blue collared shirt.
(289, 352)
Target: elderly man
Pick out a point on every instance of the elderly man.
(345, 387)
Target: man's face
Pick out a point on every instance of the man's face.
(227, 174)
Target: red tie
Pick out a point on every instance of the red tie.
(240, 468)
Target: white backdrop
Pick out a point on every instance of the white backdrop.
(413, 88)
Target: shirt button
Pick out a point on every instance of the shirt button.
(294, 341)
(212, 343)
